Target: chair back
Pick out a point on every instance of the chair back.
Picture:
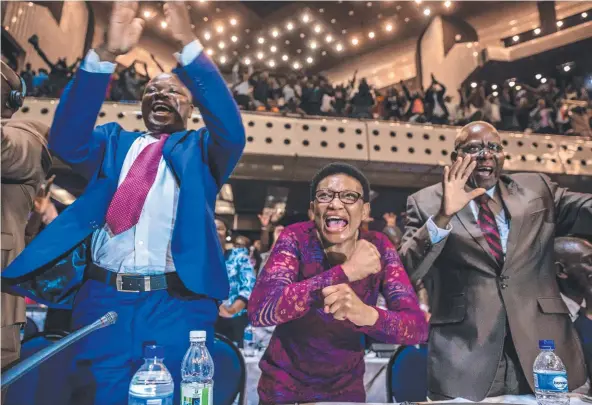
(48, 380)
(407, 374)
(229, 372)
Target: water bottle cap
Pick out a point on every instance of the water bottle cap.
(547, 344)
(197, 335)
(153, 351)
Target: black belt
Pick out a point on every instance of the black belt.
(131, 282)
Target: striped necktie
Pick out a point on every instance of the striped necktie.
(488, 226)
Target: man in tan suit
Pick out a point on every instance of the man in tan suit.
(489, 239)
(25, 163)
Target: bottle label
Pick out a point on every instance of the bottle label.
(555, 382)
(196, 396)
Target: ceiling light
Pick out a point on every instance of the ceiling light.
(163, 24)
(298, 50)
(457, 37)
(475, 54)
(221, 44)
(233, 21)
(317, 28)
(261, 40)
(516, 38)
(344, 31)
(220, 29)
(355, 41)
(418, 1)
(494, 86)
(287, 42)
(584, 15)
(351, 12)
(371, 35)
(333, 20)
(388, 27)
(518, 87)
(339, 47)
(560, 24)
(473, 85)
(271, 63)
(566, 68)
(275, 33)
(313, 45)
(447, 4)
(234, 38)
(273, 48)
(284, 57)
(205, 19)
(247, 61)
(426, 11)
(329, 39)
(544, 80)
(302, 35)
(324, 53)
(247, 30)
(537, 31)
(369, 4)
(296, 65)
(260, 55)
(495, 94)
(222, 59)
(207, 36)
(309, 60)
(538, 76)
(289, 26)
(305, 18)
(147, 14)
(321, 10)
(210, 51)
(406, 19)
(512, 83)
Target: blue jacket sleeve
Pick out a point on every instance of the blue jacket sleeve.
(73, 136)
(225, 136)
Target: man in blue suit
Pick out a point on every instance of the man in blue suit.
(141, 240)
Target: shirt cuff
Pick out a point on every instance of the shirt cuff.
(437, 234)
(92, 64)
(190, 51)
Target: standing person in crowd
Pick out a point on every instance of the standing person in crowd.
(434, 98)
(232, 316)
(573, 258)
(490, 237)
(145, 223)
(320, 286)
(25, 164)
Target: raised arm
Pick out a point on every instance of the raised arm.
(573, 211)
(225, 136)
(278, 297)
(402, 322)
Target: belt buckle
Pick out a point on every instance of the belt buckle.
(120, 287)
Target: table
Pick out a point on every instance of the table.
(374, 379)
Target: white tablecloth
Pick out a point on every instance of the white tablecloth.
(374, 379)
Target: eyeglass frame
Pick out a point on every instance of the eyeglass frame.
(490, 146)
(338, 195)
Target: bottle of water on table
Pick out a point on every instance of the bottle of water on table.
(197, 372)
(550, 377)
(152, 384)
(249, 345)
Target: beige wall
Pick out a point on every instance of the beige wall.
(64, 38)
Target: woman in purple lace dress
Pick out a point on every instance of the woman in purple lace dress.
(320, 287)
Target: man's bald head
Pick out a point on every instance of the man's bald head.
(570, 249)
(477, 128)
(573, 257)
(10, 82)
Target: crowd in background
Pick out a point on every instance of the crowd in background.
(550, 108)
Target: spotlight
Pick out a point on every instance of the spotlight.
(516, 38)
(220, 29)
(313, 45)
(447, 4)
(221, 44)
(494, 86)
(271, 63)
(296, 65)
(261, 40)
(355, 41)
(317, 28)
(426, 11)
(511, 83)
(519, 88)
(284, 58)
(389, 27)
(247, 61)
(339, 48)
(371, 35)
(566, 68)
(537, 31)
(495, 93)
(305, 18)
(544, 80)
(234, 38)
(275, 33)
(273, 49)
(207, 36)
(260, 55)
(329, 39)
(163, 24)
(309, 60)
(222, 59)
(233, 21)
(538, 76)
(147, 14)
(289, 26)
(210, 51)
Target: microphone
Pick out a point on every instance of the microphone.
(36, 359)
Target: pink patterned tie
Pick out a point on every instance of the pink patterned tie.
(128, 201)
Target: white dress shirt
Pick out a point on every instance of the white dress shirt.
(503, 224)
(573, 307)
(146, 247)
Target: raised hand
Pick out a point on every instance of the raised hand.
(343, 303)
(178, 21)
(264, 219)
(364, 262)
(455, 196)
(124, 31)
(390, 219)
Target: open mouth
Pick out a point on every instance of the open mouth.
(335, 223)
(484, 171)
(160, 108)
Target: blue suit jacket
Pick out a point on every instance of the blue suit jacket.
(51, 268)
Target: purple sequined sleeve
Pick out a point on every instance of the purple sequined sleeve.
(278, 297)
(403, 322)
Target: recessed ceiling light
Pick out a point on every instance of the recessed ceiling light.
(321, 10)
(537, 31)
(584, 15)
(147, 14)
(302, 35)
(210, 51)
(222, 59)
(220, 29)
(339, 47)
(260, 55)
(495, 94)
(351, 12)
(355, 41)
(305, 18)
(427, 11)
(473, 85)
(163, 24)
(313, 45)
(516, 38)
(309, 60)
(284, 57)
(538, 76)
(271, 63)
(494, 86)
(289, 26)
(233, 21)
(287, 42)
(544, 80)
(261, 40)
(247, 61)
(329, 39)
(406, 19)
(275, 33)
(273, 48)
(317, 28)
(560, 24)
(221, 44)
(234, 38)
(324, 53)
(388, 27)
(296, 65)
(371, 35)
(369, 4)
(207, 35)
(447, 4)
(333, 20)
(298, 50)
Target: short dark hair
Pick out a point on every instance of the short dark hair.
(224, 221)
(340, 168)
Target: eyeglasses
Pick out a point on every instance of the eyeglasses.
(346, 196)
(478, 149)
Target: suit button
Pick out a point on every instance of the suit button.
(504, 286)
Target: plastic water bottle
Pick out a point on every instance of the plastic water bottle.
(197, 372)
(152, 384)
(249, 346)
(550, 377)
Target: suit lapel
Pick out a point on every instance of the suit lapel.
(167, 152)
(514, 206)
(467, 219)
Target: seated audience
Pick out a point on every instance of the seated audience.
(320, 286)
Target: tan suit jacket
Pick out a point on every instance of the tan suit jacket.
(25, 164)
(473, 304)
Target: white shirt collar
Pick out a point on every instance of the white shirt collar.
(491, 192)
(573, 307)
